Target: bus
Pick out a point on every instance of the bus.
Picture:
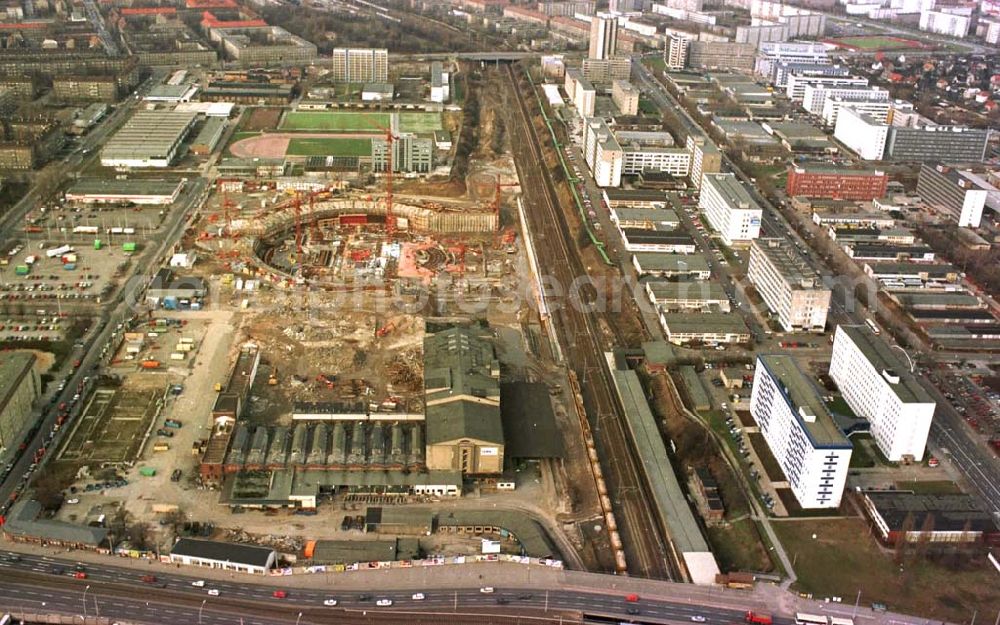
(874, 328)
(801, 618)
(841, 620)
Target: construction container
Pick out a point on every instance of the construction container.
(97, 244)
(21, 270)
(186, 340)
(161, 447)
(172, 423)
(147, 471)
(150, 364)
(170, 302)
(133, 349)
(69, 266)
(177, 356)
(128, 247)
(218, 387)
(184, 347)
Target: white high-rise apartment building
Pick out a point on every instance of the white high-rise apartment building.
(862, 134)
(789, 286)
(675, 52)
(811, 450)
(359, 65)
(877, 384)
(871, 104)
(729, 208)
(603, 36)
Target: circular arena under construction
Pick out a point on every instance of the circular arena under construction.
(347, 241)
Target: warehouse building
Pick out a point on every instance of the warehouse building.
(27, 524)
(800, 432)
(905, 515)
(638, 198)
(209, 136)
(953, 191)
(698, 295)
(462, 398)
(729, 209)
(654, 240)
(685, 266)
(143, 191)
(148, 139)
(20, 386)
(359, 65)
(255, 93)
(790, 287)
(710, 328)
(836, 183)
(235, 557)
(878, 385)
(645, 218)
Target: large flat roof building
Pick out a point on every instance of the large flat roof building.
(948, 188)
(133, 190)
(811, 450)
(709, 328)
(790, 287)
(904, 515)
(148, 139)
(877, 384)
(19, 387)
(729, 208)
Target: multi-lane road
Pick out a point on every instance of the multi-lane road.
(34, 582)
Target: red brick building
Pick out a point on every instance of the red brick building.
(836, 183)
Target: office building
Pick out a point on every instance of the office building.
(873, 103)
(721, 55)
(256, 47)
(680, 266)
(625, 97)
(697, 295)
(637, 159)
(953, 191)
(800, 432)
(795, 88)
(771, 54)
(603, 36)
(604, 71)
(786, 69)
(462, 399)
(876, 382)
(20, 386)
(148, 139)
(705, 157)
(410, 154)
(675, 52)
(936, 143)
(729, 209)
(602, 152)
(861, 134)
(706, 328)
(790, 287)
(359, 65)
(836, 183)
(580, 92)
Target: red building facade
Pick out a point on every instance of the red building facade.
(836, 183)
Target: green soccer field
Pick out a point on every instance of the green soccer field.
(335, 146)
(335, 121)
(419, 122)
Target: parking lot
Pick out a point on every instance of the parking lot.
(115, 222)
(976, 396)
(44, 275)
(173, 344)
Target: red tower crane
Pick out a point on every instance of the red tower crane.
(496, 195)
(390, 139)
(297, 205)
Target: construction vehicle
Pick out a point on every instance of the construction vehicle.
(385, 330)
(272, 380)
(218, 387)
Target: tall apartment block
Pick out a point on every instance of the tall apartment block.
(603, 36)
(811, 450)
(791, 288)
(877, 384)
(360, 65)
(729, 208)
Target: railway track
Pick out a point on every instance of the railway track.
(580, 334)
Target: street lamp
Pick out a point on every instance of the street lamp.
(85, 601)
(203, 602)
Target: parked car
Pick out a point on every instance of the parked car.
(384, 603)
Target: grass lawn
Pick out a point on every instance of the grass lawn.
(771, 468)
(419, 122)
(860, 458)
(655, 63)
(844, 558)
(738, 547)
(315, 146)
(335, 121)
(877, 42)
(648, 107)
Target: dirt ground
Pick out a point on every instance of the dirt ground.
(262, 118)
